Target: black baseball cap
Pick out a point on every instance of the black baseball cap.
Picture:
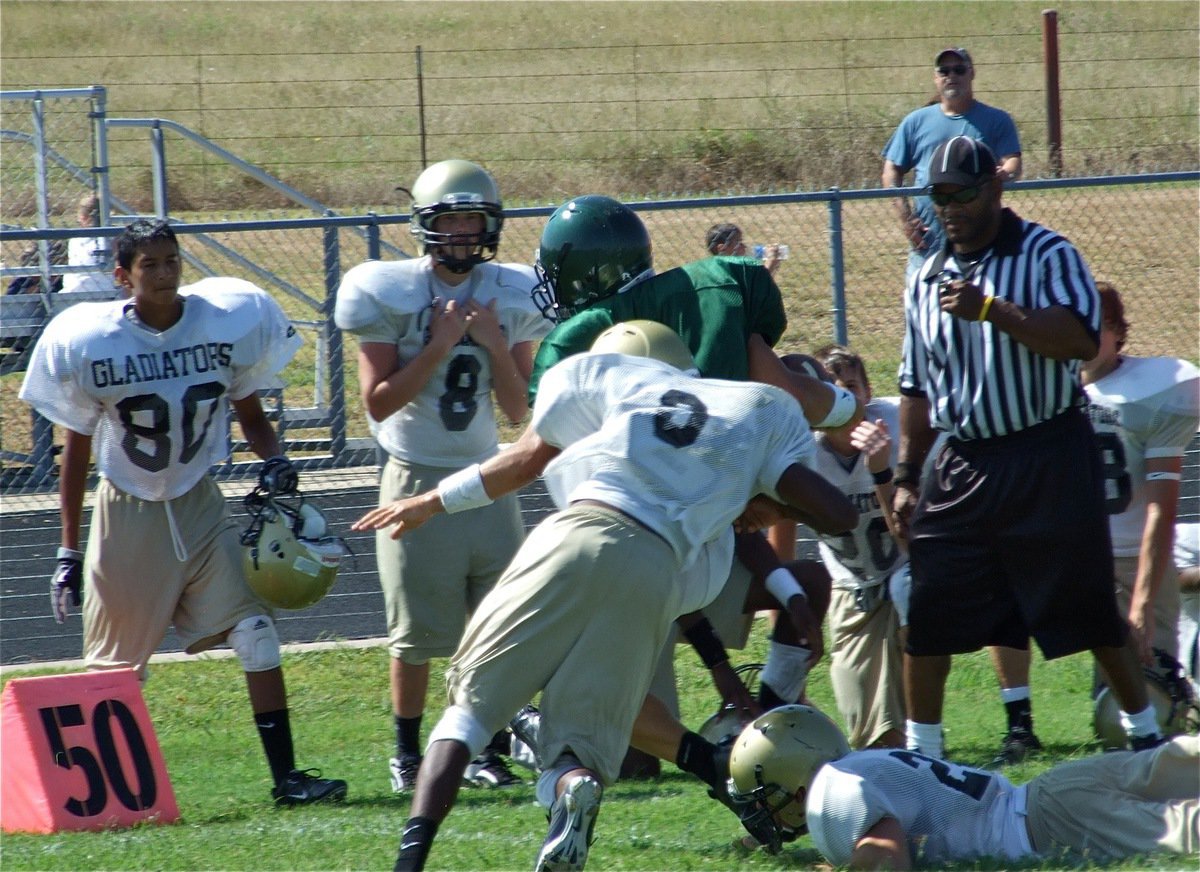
(961, 161)
(961, 52)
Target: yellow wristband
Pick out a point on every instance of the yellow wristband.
(985, 308)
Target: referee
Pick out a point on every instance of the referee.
(1008, 534)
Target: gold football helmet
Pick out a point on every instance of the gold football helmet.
(1170, 693)
(778, 755)
(641, 338)
(289, 559)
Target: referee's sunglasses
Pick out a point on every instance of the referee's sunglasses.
(966, 195)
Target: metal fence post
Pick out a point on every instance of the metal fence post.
(333, 338)
(837, 268)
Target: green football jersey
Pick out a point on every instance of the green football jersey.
(715, 305)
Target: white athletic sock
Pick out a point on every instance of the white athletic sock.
(786, 670)
(1014, 694)
(1144, 723)
(926, 738)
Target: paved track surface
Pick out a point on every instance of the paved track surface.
(353, 610)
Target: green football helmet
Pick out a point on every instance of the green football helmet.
(456, 186)
(641, 338)
(591, 248)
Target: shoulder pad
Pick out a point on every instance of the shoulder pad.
(369, 288)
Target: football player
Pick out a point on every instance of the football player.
(439, 335)
(146, 381)
(648, 466)
(893, 808)
(1144, 411)
(866, 658)
(595, 268)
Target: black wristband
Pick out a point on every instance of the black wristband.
(908, 473)
(704, 639)
(883, 476)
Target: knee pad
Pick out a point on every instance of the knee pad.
(459, 725)
(256, 644)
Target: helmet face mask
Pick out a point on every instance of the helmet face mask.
(775, 760)
(1175, 707)
(457, 187)
(591, 248)
(289, 560)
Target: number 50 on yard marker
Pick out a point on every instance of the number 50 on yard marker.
(79, 753)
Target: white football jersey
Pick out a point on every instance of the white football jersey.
(868, 554)
(682, 455)
(451, 422)
(949, 812)
(156, 403)
(1148, 407)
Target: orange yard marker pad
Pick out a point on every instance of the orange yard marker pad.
(79, 753)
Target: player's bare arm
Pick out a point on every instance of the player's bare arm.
(828, 509)
(1156, 552)
(510, 470)
(817, 399)
(263, 439)
(72, 483)
(873, 439)
(884, 846)
(730, 688)
(387, 383)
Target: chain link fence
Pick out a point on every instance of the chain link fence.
(843, 280)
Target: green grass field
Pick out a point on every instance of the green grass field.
(342, 723)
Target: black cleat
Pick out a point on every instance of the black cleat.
(305, 786)
(1016, 747)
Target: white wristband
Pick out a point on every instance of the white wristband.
(1163, 476)
(782, 585)
(463, 490)
(842, 410)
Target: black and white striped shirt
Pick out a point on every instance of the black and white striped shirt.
(980, 382)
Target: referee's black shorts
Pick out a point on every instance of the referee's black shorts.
(1010, 540)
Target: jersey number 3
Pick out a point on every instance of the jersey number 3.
(158, 431)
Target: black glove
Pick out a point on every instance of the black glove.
(67, 583)
(278, 476)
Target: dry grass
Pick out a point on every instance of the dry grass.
(627, 98)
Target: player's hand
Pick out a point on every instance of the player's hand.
(808, 627)
(873, 439)
(278, 476)
(407, 514)
(484, 327)
(66, 586)
(447, 324)
(734, 694)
